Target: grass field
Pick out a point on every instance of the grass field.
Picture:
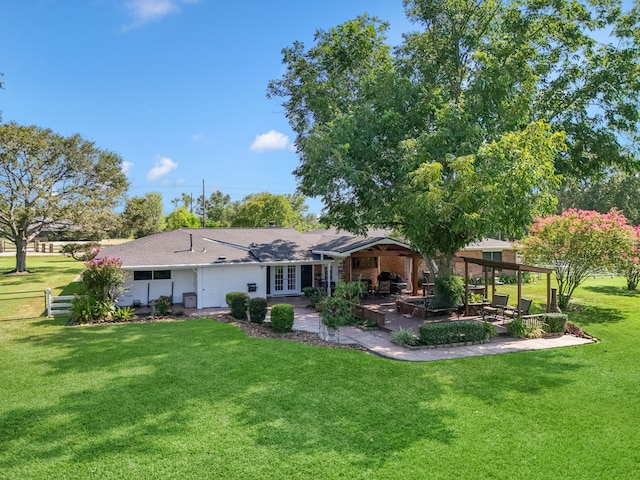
(198, 399)
(22, 296)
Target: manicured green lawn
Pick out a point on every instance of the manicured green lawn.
(198, 399)
(22, 296)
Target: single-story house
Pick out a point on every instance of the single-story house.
(200, 266)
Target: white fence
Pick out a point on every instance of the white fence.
(60, 305)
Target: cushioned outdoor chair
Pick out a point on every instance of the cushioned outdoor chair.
(384, 288)
(513, 312)
(496, 307)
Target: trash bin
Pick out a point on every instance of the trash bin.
(189, 300)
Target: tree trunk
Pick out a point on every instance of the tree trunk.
(441, 266)
(21, 254)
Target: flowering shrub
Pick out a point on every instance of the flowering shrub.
(103, 278)
(630, 264)
(577, 244)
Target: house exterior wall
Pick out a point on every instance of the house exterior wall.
(476, 271)
(145, 291)
(215, 282)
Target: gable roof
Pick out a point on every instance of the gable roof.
(490, 244)
(191, 247)
(335, 242)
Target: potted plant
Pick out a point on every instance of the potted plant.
(335, 312)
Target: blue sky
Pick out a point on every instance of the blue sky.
(176, 87)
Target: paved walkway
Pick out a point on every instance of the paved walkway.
(378, 342)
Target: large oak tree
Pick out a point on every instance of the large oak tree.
(46, 178)
(465, 128)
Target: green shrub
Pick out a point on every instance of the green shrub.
(517, 328)
(123, 313)
(162, 306)
(229, 297)
(257, 309)
(315, 296)
(239, 304)
(282, 317)
(336, 311)
(524, 328)
(451, 332)
(554, 322)
(448, 291)
(404, 337)
(82, 309)
(490, 330)
(87, 308)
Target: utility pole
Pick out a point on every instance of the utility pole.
(203, 204)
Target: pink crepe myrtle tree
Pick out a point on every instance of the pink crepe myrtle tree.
(630, 264)
(103, 279)
(577, 244)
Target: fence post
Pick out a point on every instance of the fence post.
(47, 301)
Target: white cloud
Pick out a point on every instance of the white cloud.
(271, 140)
(143, 11)
(161, 168)
(126, 166)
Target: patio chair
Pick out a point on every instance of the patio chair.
(384, 288)
(497, 306)
(513, 312)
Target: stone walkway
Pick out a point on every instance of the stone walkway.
(378, 342)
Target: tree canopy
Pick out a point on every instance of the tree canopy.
(46, 178)
(465, 128)
(144, 216)
(618, 190)
(182, 218)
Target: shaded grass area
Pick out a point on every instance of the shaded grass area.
(22, 295)
(198, 399)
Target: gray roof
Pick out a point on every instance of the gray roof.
(332, 240)
(190, 247)
(490, 244)
(208, 246)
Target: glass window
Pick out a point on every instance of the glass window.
(162, 274)
(142, 275)
(291, 277)
(279, 278)
(493, 256)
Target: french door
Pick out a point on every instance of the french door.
(285, 279)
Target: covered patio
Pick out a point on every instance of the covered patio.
(490, 267)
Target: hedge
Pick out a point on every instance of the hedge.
(451, 332)
(554, 322)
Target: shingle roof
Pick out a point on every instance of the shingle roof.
(208, 246)
(332, 240)
(191, 247)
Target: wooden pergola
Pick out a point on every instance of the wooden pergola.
(493, 265)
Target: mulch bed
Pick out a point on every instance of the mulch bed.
(264, 330)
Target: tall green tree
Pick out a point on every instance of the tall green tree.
(618, 190)
(263, 209)
(47, 178)
(144, 216)
(219, 209)
(462, 129)
(182, 218)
